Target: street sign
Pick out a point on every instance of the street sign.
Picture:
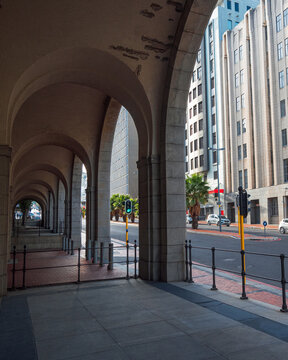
(264, 223)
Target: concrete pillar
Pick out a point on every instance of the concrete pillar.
(66, 218)
(75, 202)
(5, 154)
(61, 207)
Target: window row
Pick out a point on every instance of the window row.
(193, 127)
(236, 5)
(194, 162)
(245, 178)
(239, 127)
(280, 49)
(197, 74)
(282, 78)
(193, 111)
(239, 76)
(195, 146)
(279, 20)
(238, 54)
(238, 102)
(240, 151)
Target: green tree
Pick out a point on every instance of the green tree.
(24, 206)
(197, 191)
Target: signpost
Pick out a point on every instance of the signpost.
(128, 210)
(264, 224)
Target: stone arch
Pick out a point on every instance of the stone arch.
(90, 67)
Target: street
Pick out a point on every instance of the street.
(265, 266)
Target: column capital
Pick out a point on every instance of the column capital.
(5, 150)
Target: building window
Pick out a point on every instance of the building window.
(199, 56)
(230, 25)
(236, 56)
(201, 160)
(237, 80)
(199, 73)
(245, 178)
(191, 146)
(236, 6)
(191, 164)
(194, 93)
(196, 162)
(201, 142)
(281, 79)
(195, 145)
(214, 157)
(284, 137)
(282, 108)
(273, 206)
(287, 76)
(239, 152)
(190, 96)
(213, 119)
(194, 75)
(286, 46)
(186, 165)
(238, 128)
(191, 130)
(186, 150)
(229, 4)
(285, 17)
(243, 125)
(194, 110)
(200, 107)
(200, 126)
(211, 44)
(278, 23)
(241, 76)
(280, 50)
(210, 30)
(190, 113)
(185, 134)
(211, 66)
(212, 100)
(240, 52)
(243, 101)
(195, 127)
(285, 165)
(248, 7)
(212, 83)
(215, 175)
(237, 103)
(199, 89)
(244, 151)
(240, 178)
(214, 138)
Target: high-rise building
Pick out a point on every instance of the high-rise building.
(124, 172)
(204, 111)
(255, 75)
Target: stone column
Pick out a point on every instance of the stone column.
(5, 154)
(149, 226)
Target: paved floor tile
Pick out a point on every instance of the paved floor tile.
(266, 352)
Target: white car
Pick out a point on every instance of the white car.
(214, 219)
(283, 226)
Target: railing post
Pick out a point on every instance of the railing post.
(190, 262)
(94, 255)
(79, 264)
(66, 242)
(243, 274)
(101, 253)
(213, 269)
(127, 261)
(88, 252)
(186, 261)
(14, 267)
(63, 243)
(135, 259)
(24, 267)
(68, 248)
(110, 261)
(72, 247)
(283, 282)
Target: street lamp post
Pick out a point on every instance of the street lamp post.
(218, 183)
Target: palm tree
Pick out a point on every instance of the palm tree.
(197, 191)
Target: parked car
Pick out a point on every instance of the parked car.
(214, 219)
(283, 226)
(188, 219)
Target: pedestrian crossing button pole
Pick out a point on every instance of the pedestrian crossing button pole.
(128, 210)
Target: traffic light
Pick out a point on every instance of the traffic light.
(128, 206)
(243, 202)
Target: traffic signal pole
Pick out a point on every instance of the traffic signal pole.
(126, 229)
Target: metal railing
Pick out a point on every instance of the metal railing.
(20, 257)
(189, 269)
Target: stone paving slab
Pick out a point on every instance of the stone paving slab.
(139, 320)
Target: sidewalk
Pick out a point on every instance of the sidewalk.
(138, 320)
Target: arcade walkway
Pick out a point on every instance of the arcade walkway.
(138, 320)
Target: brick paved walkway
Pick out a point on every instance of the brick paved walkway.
(232, 284)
